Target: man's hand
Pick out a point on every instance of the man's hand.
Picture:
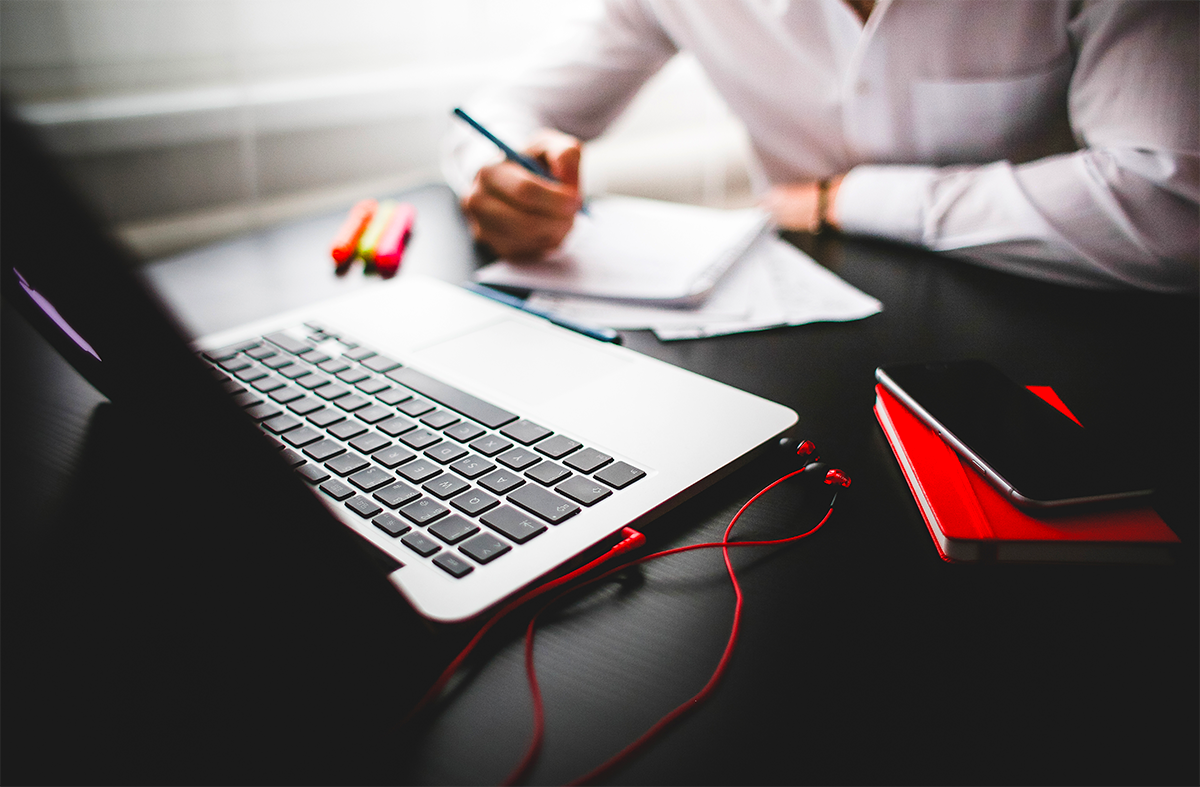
(520, 215)
(795, 206)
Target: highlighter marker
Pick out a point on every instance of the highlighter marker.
(391, 244)
(345, 243)
(374, 231)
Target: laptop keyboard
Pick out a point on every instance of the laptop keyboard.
(457, 480)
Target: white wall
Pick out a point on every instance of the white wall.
(189, 120)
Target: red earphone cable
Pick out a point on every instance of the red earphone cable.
(535, 744)
(632, 539)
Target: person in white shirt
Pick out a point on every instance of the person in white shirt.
(1050, 138)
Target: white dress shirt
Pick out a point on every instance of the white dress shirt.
(1047, 138)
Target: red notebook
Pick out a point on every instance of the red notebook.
(972, 522)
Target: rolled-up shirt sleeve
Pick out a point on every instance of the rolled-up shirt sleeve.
(576, 84)
(1123, 210)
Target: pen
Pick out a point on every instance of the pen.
(599, 334)
(528, 163)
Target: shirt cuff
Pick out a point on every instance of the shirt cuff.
(885, 201)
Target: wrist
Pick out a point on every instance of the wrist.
(826, 218)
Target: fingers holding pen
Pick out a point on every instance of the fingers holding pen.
(519, 215)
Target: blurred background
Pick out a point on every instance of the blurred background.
(188, 121)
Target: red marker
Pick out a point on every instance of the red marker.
(345, 244)
(390, 248)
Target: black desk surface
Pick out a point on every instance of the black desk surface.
(863, 658)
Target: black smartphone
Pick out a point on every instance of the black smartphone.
(1035, 455)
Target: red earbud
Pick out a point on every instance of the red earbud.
(813, 468)
(837, 477)
(807, 450)
(831, 476)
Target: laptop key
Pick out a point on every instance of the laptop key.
(267, 384)
(548, 473)
(453, 529)
(369, 442)
(420, 438)
(543, 503)
(393, 396)
(558, 446)
(331, 391)
(225, 353)
(325, 449)
(311, 382)
(371, 479)
(464, 431)
(351, 403)
(315, 356)
(391, 524)
(501, 481)
(372, 385)
(235, 363)
(424, 511)
(347, 429)
(380, 363)
(395, 426)
(260, 352)
(491, 445)
(453, 565)
(261, 412)
(484, 548)
(250, 374)
(583, 490)
(286, 395)
(292, 458)
(620, 474)
(336, 489)
(472, 466)
(415, 407)
(325, 418)
(280, 423)
(446, 453)
(457, 400)
(352, 375)
(439, 419)
(393, 456)
(519, 458)
(363, 507)
(525, 432)
(302, 436)
(445, 486)
(473, 502)
(396, 494)
(420, 543)
(314, 473)
(347, 463)
(420, 470)
(333, 366)
(293, 370)
(513, 523)
(304, 405)
(374, 414)
(282, 340)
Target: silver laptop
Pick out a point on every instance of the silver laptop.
(476, 446)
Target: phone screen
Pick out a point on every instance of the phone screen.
(1033, 453)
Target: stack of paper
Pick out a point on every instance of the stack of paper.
(681, 271)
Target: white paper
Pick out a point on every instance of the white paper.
(774, 284)
(638, 249)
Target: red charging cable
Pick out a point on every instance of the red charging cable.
(631, 540)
